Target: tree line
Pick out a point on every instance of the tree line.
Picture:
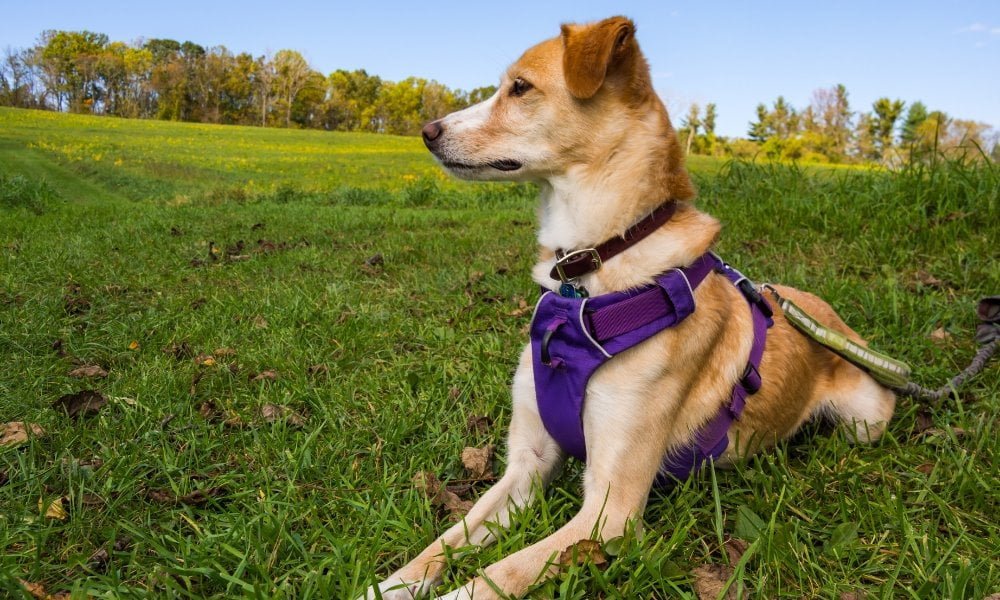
(85, 72)
(829, 131)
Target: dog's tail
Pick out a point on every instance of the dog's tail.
(988, 336)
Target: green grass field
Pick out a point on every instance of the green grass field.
(218, 272)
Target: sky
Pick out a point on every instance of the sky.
(735, 54)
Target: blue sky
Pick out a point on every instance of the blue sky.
(736, 54)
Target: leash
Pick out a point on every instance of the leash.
(892, 373)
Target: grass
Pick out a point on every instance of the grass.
(113, 264)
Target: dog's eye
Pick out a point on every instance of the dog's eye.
(520, 87)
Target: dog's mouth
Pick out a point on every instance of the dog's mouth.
(504, 164)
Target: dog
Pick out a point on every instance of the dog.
(578, 116)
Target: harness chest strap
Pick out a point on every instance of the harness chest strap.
(572, 337)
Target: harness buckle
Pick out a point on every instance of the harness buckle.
(575, 257)
(750, 292)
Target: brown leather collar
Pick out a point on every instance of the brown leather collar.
(577, 263)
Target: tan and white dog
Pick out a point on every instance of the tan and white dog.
(577, 114)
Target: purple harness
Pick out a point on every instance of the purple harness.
(572, 337)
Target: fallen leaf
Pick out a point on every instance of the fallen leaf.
(924, 422)
(927, 280)
(319, 370)
(735, 549)
(179, 350)
(85, 371)
(260, 322)
(53, 509)
(37, 590)
(477, 423)
(940, 335)
(477, 461)
(925, 468)
(16, 433)
(57, 347)
(74, 301)
(440, 496)
(267, 375)
(98, 560)
(375, 260)
(582, 552)
(860, 595)
(224, 352)
(257, 226)
(134, 345)
(522, 308)
(204, 360)
(195, 498)
(710, 580)
(4, 478)
(82, 403)
(273, 413)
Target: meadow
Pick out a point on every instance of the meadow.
(281, 330)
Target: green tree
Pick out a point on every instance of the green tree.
(916, 115)
(760, 129)
(70, 58)
(883, 125)
(690, 124)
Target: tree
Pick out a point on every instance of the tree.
(760, 129)
(916, 115)
(264, 76)
(691, 123)
(883, 124)
(69, 60)
(291, 73)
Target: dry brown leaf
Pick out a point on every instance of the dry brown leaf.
(267, 375)
(478, 423)
(273, 413)
(477, 461)
(925, 468)
(88, 371)
(36, 590)
(16, 433)
(99, 560)
(940, 335)
(195, 498)
(860, 595)
(584, 551)
(319, 370)
(522, 308)
(260, 322)
(440, 496)
(735, 549)
(82, 403)
(224, 352)
(133, 345)
(179, 350)
(710, 580)
(204, 360)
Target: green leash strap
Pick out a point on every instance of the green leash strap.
(886, 370)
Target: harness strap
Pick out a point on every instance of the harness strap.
(712, 439)
(644, 308)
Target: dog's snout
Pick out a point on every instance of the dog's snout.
(432, 133)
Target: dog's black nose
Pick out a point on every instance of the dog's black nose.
(432, 132)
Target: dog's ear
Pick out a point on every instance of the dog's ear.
(591, 52)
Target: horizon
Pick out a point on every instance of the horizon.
(729, 54)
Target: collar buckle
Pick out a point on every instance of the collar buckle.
(576, 257)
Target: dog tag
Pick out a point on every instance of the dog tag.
(568, 290)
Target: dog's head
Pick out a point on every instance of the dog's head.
(569, 101)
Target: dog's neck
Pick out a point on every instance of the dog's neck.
(614, 189)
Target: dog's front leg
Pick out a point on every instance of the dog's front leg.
(624, 451)
(532, 458)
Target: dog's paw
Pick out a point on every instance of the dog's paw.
(396, 588)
